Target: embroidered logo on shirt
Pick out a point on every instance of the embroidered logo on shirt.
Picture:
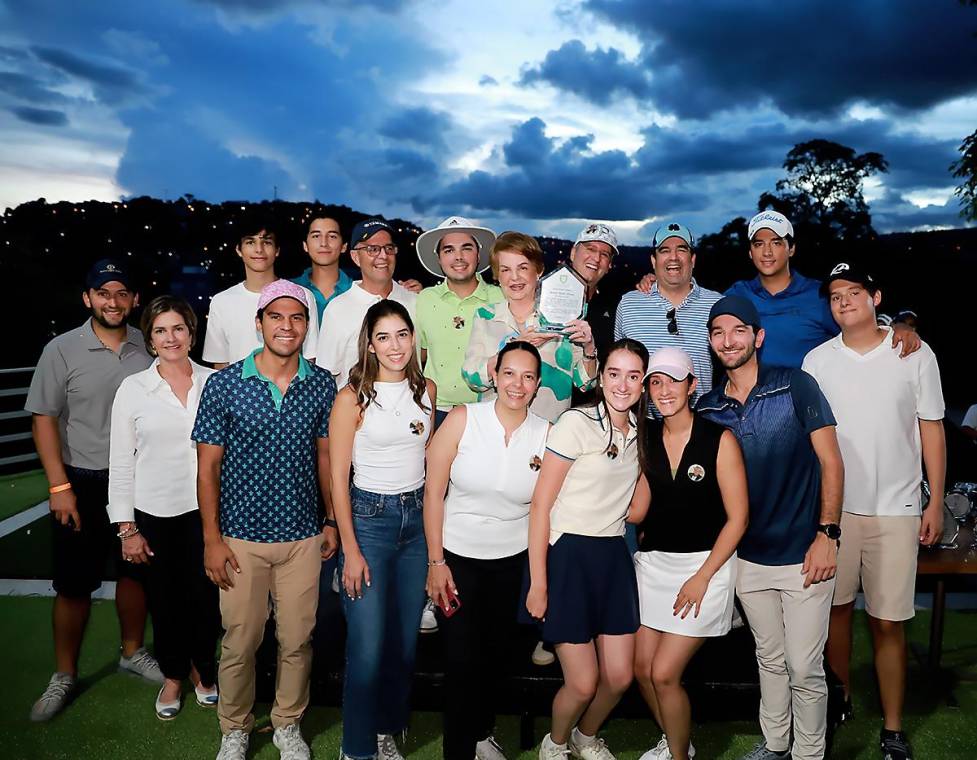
(459, 322)
(535, 463)
(417, 427)
(696, 473)
(612, 451)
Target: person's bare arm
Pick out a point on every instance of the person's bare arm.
(342, 429)
(330, 536)
(640, 501)
(908, 337)
(441, 453)
(933, 440)
(47, 441)
(821, 559)
(217, 554)
(551, 476)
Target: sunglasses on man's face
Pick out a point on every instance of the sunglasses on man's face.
(672, 323)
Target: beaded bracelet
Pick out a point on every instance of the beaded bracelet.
(436, 562)
(124, 534)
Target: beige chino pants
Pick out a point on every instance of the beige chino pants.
(790, 625)
(289, 572)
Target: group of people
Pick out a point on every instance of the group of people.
(449, 445)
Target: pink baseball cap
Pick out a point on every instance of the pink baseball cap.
(282, 289)
(670, 361)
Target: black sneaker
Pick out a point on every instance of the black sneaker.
(895, 745)
(847, 711)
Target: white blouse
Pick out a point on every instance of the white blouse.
(152, 461)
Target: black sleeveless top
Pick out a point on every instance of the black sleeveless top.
(686, 512)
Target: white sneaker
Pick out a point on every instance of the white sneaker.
(143, 664)
(595, 749)
(542, 656)
(489, 749)
(234, 746)
(56, 696)
(550, 750)
(387, 748)
(429, 622)
(290, 743)
(661, 752)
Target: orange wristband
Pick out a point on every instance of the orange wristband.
(59, 489)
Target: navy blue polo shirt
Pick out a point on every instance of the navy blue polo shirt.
(269, 492)
(783, 473)
(796, 320)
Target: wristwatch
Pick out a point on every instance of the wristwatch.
(832, 531)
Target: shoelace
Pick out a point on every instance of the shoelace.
(387, 748)
(142, 659)
(234, 740)
(600, 747)
(290, 737)
(56, 690)
(898, 743)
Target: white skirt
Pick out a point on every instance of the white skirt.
(661, 575)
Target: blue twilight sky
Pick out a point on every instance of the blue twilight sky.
(526, 114)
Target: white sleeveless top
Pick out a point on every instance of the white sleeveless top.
(388, 448)
(486, 511)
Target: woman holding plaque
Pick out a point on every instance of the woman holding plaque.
(569, 356)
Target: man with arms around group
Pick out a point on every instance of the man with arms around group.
(458, 251)
(70, 399)
(890, 424)
(787, 558)
(262, 439)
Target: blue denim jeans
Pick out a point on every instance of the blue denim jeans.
(381, 637)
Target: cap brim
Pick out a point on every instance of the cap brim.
(427, 243)
(676, 373)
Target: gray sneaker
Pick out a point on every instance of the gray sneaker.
(143, 664)
(234, 745)
(387, 748)
(489, 749)
(57, 695)
(760, 752)
(290, 743)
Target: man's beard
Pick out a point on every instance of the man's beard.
(100, 318)
(739, 362)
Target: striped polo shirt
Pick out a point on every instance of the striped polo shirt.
(642, 317)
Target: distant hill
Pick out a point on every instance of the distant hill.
(187, 247)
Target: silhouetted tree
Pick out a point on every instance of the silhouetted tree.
(965, 168)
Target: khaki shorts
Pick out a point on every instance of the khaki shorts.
(880, 552)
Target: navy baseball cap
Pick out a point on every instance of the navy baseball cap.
(108, 270)
(367, 229)
(735, 306)
(850, 272)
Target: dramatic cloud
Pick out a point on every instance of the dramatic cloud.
(112, 85)
(807, 58)
(40, 116)
(418, 125)
(27, 87)
(594, 75)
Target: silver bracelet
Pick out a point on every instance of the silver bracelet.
(436, 562)
(124, 534)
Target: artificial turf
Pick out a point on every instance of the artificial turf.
(113, 715)
(20, 491)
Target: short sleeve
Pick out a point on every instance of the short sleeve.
(810, 404)
(425, 312)
(618, 324)
(929, 391)
(216, 347)
(568, 435)
(329, 398)
(970, 418)
(211, 424)
(48, 394)
(311, 342)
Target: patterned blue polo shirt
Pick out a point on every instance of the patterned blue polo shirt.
(268, 487)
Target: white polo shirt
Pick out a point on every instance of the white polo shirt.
(341, 322)
(152, 461)
(597, 491)
(878, 399)
(486, 511)
(231, 333)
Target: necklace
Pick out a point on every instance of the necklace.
(395, 407)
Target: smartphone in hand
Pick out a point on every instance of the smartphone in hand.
(452, 605)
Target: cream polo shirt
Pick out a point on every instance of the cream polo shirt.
(231, 333)
(341, 323)
(878, 399)
(597, 491)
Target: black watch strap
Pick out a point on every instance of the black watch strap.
(831, 530)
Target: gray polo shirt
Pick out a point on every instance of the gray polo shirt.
(76, 380)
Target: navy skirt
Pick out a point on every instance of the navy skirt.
(591, 590)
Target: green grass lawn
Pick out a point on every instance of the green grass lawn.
(113, 716)
(18, 492)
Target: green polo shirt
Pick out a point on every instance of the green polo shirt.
(444, 324)
(250, 369)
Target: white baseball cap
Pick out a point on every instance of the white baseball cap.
(671, 361)
(771, 220)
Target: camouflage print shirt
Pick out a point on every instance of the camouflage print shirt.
(563, 362)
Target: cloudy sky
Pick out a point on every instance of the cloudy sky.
(527, 114)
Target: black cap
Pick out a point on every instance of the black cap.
(108, 270)
(736, 306)
(367, 229)
(850, 272)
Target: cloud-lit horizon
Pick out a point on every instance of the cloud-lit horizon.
(534, 116)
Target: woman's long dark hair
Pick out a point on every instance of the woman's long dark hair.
(640, 408)
(363, 376)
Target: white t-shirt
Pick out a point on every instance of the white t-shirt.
(341, 322)
(231, 332)
(970, 418)
(152, 461)
(878, 399)
(388, 447)
(486, 511)
(597, 491)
